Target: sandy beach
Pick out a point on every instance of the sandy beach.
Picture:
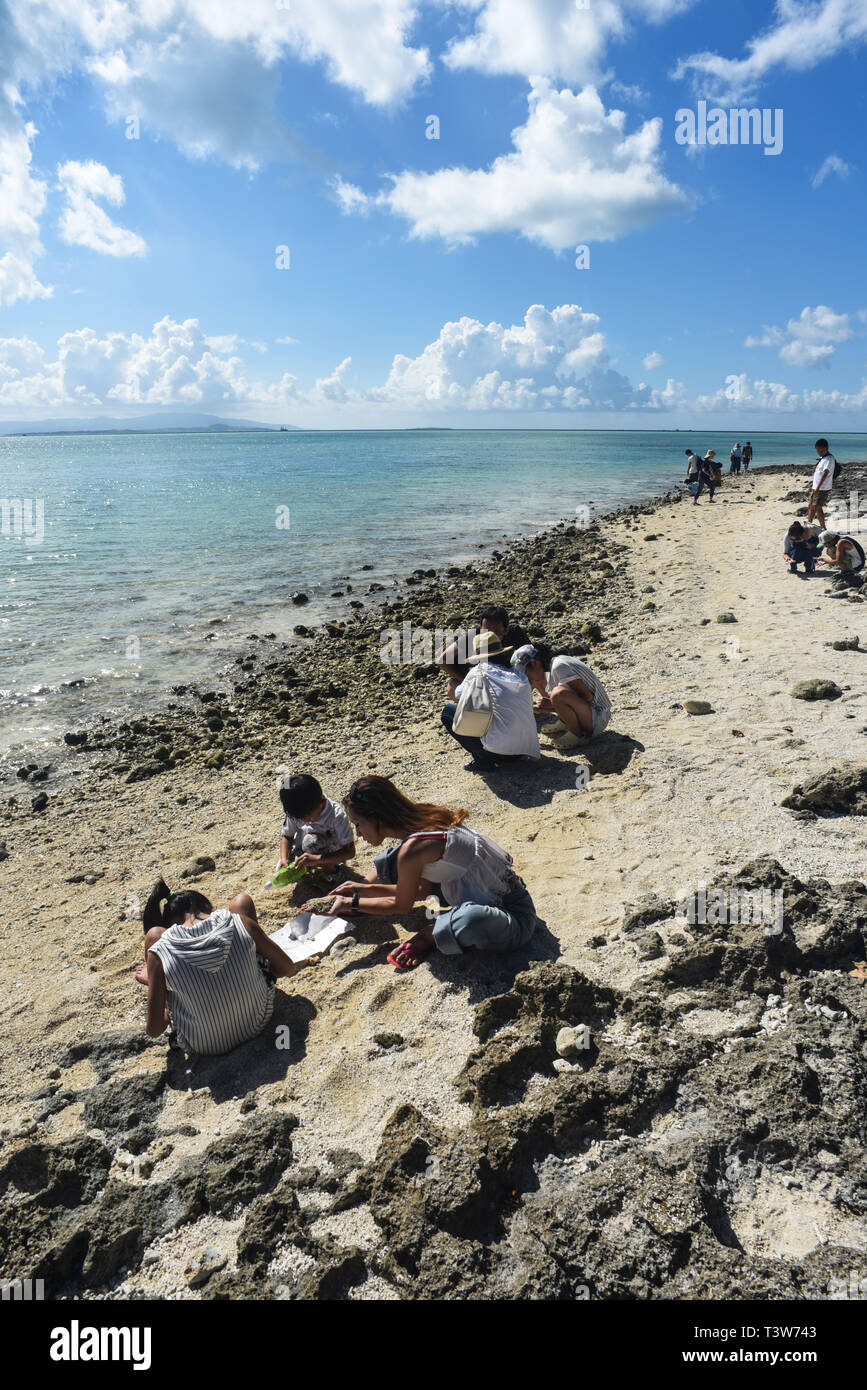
(416, 1139)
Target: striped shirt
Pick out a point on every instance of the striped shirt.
(568, 668)
(218, 992)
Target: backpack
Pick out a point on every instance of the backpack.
(838, 469)
(475, 707)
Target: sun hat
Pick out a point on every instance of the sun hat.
(485, 645)
(711, 454)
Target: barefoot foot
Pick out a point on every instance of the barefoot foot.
(411, 953)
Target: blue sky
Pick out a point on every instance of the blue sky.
(433, 281)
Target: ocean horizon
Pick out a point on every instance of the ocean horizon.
(140, 561)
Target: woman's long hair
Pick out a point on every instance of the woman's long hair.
(378, 799)
(165, 908)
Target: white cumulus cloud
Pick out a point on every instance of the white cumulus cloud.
(652, 361)
(575, 176)
(176, 363)
(22, 201)
(83, 222)
(557, 37)
(555, 359)
(807, 341)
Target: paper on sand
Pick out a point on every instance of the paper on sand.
(310, 934)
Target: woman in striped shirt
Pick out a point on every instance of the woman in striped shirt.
(209, 971)
(570, 690)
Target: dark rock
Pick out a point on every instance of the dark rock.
(123, 1107)
(299, 598)
(145, 770)
(646, 911)
(841, 791)
(650, 946)
(816, 690)
(40, 801)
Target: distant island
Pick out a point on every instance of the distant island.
(155, 423)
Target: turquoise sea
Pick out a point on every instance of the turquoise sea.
(139, 561)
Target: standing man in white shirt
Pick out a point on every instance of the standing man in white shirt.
(512, 731)
(823, 481)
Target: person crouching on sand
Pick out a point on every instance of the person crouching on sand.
(844, 552)
(209, 971)
(488, 906)
(801, 544)
(571, 690)
(511, 734)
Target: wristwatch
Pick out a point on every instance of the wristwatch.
(355, 901)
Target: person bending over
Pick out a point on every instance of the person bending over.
(316, 833)
(512, 733)
(570, 689)
(493, 619)
(209, 971)
(844, 552)
(487, 906)
(801, 546)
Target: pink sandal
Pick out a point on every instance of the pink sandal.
(411, 953)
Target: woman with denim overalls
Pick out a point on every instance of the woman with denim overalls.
(487, 907)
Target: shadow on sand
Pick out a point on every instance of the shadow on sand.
(534, 784)
(259, 1062)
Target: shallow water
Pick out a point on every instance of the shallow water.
(139, 561)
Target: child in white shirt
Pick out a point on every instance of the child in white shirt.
(316, 831)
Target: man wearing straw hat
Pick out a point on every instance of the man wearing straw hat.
(512, 732)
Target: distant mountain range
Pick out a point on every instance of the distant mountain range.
(154, 423)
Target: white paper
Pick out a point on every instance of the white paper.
(310, 934)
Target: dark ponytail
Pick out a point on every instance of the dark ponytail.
(165, 908)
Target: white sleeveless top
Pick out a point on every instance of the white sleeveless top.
(472, 869)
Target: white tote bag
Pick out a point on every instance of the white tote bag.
(476, 707)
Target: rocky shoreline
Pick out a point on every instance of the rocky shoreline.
(331, 671)
(643, 1105)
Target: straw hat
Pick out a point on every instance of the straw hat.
(711, 454)
(486, 645)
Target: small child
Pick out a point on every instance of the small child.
(316, 832)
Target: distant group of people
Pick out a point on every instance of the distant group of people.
(572, 705)
(741, 456)
(811, 545)
(706, 473)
